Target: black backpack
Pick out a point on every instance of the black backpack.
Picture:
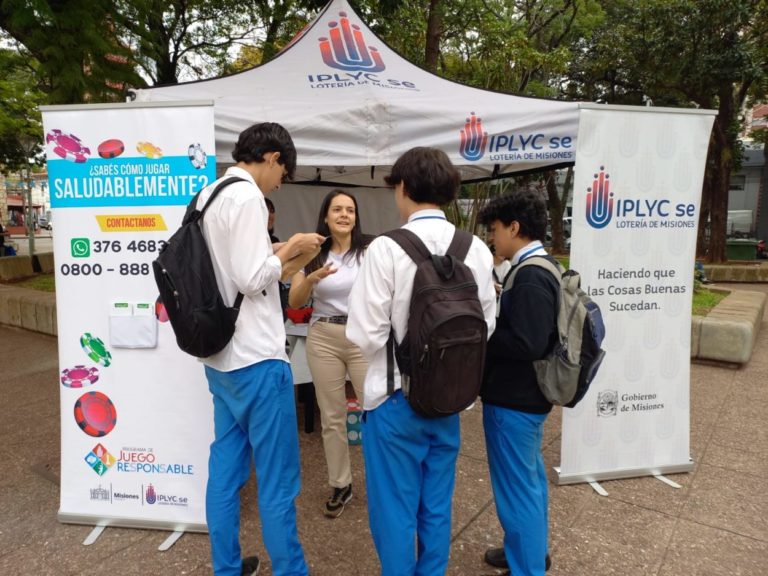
(442, 355)
(184, 274)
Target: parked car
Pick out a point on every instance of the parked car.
(44, 223)
(761, 251)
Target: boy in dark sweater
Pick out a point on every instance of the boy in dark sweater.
(514, 409)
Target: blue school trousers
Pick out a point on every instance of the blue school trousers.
(410, 468)
(513, 442)
(254, 416)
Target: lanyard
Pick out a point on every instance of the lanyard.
(528, 253)
(428, 218)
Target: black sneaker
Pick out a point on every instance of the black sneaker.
(251, 566)
(335, 504)
(496, 558)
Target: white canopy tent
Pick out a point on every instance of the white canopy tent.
(353, 106)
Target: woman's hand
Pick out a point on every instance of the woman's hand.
(321, 273)
(301, 286)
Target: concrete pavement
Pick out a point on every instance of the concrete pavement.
(714, 525)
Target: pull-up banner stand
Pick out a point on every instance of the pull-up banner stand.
(136, 417)
(636, 203)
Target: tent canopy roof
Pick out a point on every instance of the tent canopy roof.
(353, 106)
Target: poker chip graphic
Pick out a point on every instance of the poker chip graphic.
(95, 414)
(95, 349)
(197, 156)
(111, 148)
(149, 150)
(79, 376)
(67, 146)
(160, 312)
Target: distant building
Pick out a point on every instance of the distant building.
(13, 200)
(748, 190)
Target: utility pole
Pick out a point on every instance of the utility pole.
(30, 218)
(28, 144)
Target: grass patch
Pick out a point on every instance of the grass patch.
(42, 282)
(704, 300)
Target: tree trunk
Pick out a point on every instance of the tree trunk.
(556, 208)
(165, 67)
(702, 238)
(762, 202)
(434, 32)
(722, 153)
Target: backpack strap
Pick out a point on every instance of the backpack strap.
(411, 243)
(542, 262)
(193, 214)
(418, 252)
(391, 363)
(459, 248)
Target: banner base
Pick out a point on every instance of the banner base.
(563, 479)
(121, 522)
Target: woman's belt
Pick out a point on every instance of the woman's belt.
(334, 319)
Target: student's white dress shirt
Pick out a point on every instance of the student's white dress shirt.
(235, 228)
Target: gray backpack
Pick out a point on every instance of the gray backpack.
(565, 373)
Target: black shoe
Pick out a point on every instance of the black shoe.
(496, 558)
(335, 504)
(251, 566)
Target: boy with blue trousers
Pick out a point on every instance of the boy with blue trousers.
(410, 460)
(250, 379)
(514, 408)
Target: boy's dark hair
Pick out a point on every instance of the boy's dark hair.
(260, 139)
(527, 207)
(359, 241)
(427, 174)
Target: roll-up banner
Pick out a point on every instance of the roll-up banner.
(636, 203)
(136, 418)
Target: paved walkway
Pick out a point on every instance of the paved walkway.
(714, 525)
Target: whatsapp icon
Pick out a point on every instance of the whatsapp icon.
(80, 247)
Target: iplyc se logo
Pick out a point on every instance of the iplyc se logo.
(346, 49)
(599, 201)
(473, 139)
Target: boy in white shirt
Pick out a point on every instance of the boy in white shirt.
(410, 460)
(250, 379)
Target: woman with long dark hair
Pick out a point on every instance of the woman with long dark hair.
(328, 280)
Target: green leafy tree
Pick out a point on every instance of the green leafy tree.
(78, 55)
(20, 125)
(172, 39)
(705, 53)
(280, 20)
